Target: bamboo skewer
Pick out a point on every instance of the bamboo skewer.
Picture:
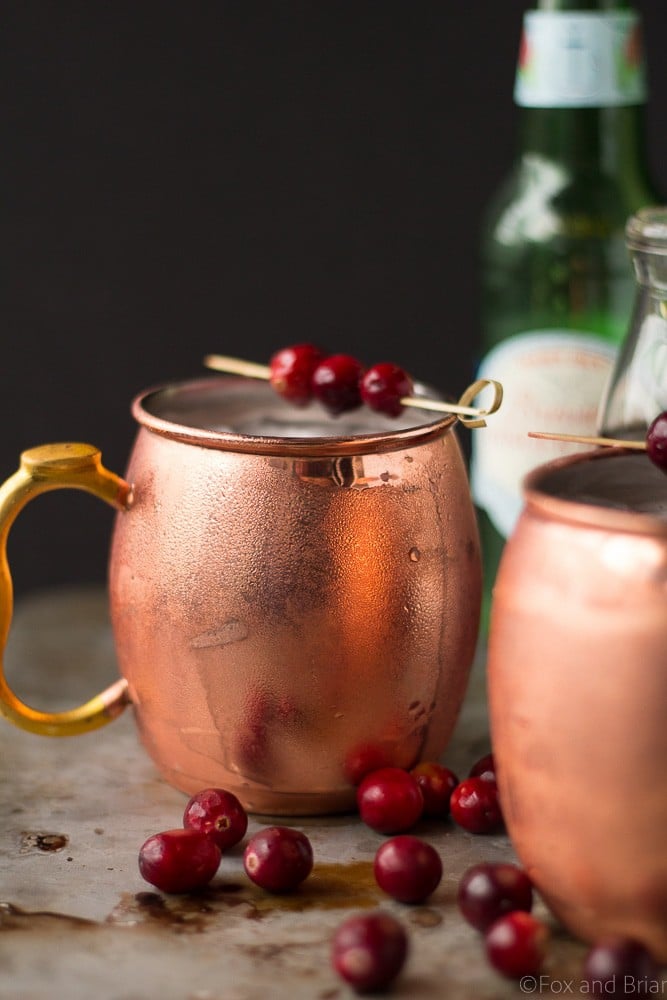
(606, 442)
(471, 416)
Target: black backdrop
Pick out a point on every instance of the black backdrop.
(181, 178)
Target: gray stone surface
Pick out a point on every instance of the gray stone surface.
(77, 922)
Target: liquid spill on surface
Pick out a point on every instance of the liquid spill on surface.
(33, 840)
(330, 886)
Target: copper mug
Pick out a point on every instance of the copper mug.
(577, 683)
(287, 590)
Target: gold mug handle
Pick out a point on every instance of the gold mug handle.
(50, 467)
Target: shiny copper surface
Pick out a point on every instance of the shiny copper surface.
(577, 677)
(280, 602)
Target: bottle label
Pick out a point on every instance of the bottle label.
(553, 381)
(584, 59)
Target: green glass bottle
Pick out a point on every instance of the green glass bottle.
(556, 282)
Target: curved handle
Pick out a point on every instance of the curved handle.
(51, 467)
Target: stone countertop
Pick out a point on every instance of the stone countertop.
(77, 921)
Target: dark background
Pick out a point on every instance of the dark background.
(185, 178)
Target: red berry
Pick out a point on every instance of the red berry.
(278, 858)
(179, 860)
(389, 800)
(291, 372)
(474, 806)
(516, 944)
(369, 951)
(656, 441)
(336, 382)
(365, 759)
(219, 814)
(407, 869)
(437, 784)
(485, 768)
(488, 891)
(383, 386)
(619, 966)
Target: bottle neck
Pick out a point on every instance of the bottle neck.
(608, 141)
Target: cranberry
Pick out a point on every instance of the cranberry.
(278, 858)
(516, 944)
(369, 951)
(488, 891)
(384, 386)
(335, 383)
(390, 800)
(437, 784)
(619, 966)
(291, 371)
(407, 869)
(179, 860)
(364, 759)
(656, 441)
(474, 806)
(485, 768)
(219, 814)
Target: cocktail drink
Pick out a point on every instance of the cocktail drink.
(288, 589)
(577, 676)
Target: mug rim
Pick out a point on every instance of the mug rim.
(595, 515)
(341, 445)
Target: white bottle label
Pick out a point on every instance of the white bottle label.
(553, 381)
(579, 60)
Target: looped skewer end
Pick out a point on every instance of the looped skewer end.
(474, 390)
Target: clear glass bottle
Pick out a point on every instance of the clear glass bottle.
(556, 283)
(637, 390)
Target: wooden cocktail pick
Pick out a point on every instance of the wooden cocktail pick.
(471, 416)
(654, 443)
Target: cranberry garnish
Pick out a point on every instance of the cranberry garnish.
(485, 768)
(369, 951)
(619, 966)
(656, 441)
(407, 869)
(336, 382)
(474, 806)
(291, 372)
(437, 784)
(179, 860)
(278, 858)
(389, 800)
(383, 386)
(516, 944)
(365, 759)
(219, 814)
(488, 891)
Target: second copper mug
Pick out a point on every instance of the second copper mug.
(577, 679)
(288, 591)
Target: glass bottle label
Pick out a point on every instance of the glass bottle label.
(582, 59)
(553, 381)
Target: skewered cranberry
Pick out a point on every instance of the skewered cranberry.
(474, 806)
(335, 383)
(291, 371)
(516, 944)
(617, 963)
(179, 860)
(383, 386)
(656, 441)
(485, 768)
(437, 784)
(389, 800)
(407, 869)
(488, 891)
(278, 858)
(369, 951)
(219, 814)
